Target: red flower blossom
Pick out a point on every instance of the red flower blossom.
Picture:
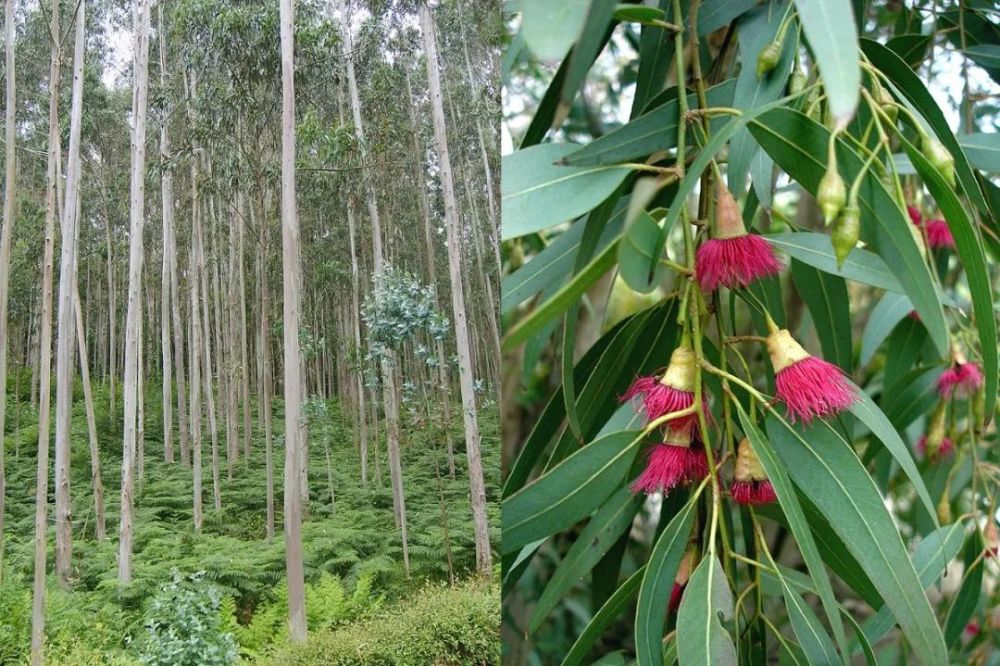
(808, 386)
(672, 392)
(733, 258)
(683, 575)
(675, 597)
(673, 462)
(915, 215)
(750, 483)
(963, 378)
(938, 234)
(944, 449)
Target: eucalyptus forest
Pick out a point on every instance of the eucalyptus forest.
(249, 342)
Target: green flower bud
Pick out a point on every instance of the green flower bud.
(944, 509)
(768, 58)
(832, 194)
(624, 302)
(797, 82)
(887, 102)
(940, 158)
(846, 232)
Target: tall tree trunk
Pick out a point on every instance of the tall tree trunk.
(45, 354)
(167, 197)
(477, 487)
(95, 452)
(389, 390)
(137, 193)
(267, 374)
(66, 319)
(291, 282)
(10, 171)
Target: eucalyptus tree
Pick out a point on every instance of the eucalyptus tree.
(6, 235)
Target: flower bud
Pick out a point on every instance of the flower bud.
(768, 58)
(936, 431)
(940, 158)
(832, 194)
(846, 232)
(944, 509)
(797, 82)
(624, 302)
(978, 408)
(886, 101)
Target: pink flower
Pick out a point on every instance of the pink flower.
(915, 215)
(938, 234)
(963, 378)
(752, 492)
(675, 597)
(732, 258)
(671, 463)
(683, 575)
(734, 262)
(944, 449)
(808, 386)
(672, 392)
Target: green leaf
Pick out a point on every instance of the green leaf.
(639, 13)
(715, 14)
(797, 523)
(654, 595)
(933, 554)
(603, 530)
(757, 29)
(813, 639)
(701, 638)
(588, 47)
(983, 150)
(603, 618)
(555, 263)
(537, 193)
(798, 145)
(888, 312)
(909, 85)
(868, 413)
(569, 492)
(911, 48)
(985, 55)
(968, 595)
(653, 131)
(911, 396)
(829, 27)
(655, 47)
(826, 297)
(551, 26)
(815, 249)
(970, 251)
(639, 249)
(826, 469)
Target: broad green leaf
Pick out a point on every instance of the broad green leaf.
(701, 638)
(639, 13)
(931, 557)
(911, 48)
(658, 581)
(829, 27)
(983, 150)
(652, 132)
(568, 492)
(603, 618)
(639, 249)
(554, 264)
(813, 639)
(868, 413)
(968, 595)
(815, 249)
(588, 47)
(550, 27)
(904, 349)
(714, 14)
(796, 519)
(970, 251)
(907, 83)
(826, 297)
(655, 47)
(826, 469)
(799, 146)
(986, 55)
(757, 29)
(537, 193)
(911, 396)
(888, 312)
(603, 530)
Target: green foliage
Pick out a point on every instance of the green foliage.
(397, 309)
(439, 625)
(183, 626)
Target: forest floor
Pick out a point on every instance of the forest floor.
(228, 580)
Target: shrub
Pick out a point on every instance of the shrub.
(183, 626)
(439, 625)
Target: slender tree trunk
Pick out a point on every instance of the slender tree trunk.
(132, 328)
(267, 376)
(389, 390)
(10, 171)
(356, 325)
(195, 363)
(45, 354)
(244, 367)
(66, 320)
(95, 452)
(112, 314)
(477, 487)
(291, 282)
(167, 197)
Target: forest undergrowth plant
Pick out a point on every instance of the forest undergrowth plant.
(842, 400)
